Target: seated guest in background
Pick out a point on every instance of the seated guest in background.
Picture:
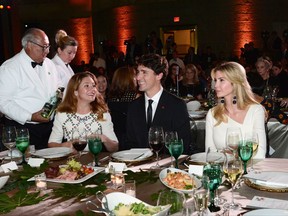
(237, 108)
(282, 79)
(172, 82)
(27, 81)
(168, 111)
(66, 51)
(83, 107)
(122, 91)
(190, 84)
(102, 86)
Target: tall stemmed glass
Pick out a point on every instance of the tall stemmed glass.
(79, 140)
(245, 151)
(233, 171)
(95, 144)
(176, 149)
(233, 138)
(177, 200)
(22, 142)
(214, 173)
(170, 136)
(253, 136)
(156, 142)
(9, 138)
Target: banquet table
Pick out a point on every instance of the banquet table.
(58, 206)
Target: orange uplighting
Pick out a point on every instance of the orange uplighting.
(8, 7)
(244, 24)
(1, 6)
(177, 19)
(124, 17)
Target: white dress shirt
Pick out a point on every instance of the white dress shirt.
(65, 72)
(254, 121)
(155, 99)
(23, 89)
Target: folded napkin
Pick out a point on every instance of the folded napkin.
(136, 154)
(265, 202)
(193, 105)
(269, 178)
(163, 162)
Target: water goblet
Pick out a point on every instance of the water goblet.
(176, 149)
(170, 136)
(22, 142)
(9, 138)
(213, 171)
(177, 200)
(79, 140)
(233, 171)
(245, 152)
(233, 138)
(95, 145)
(253, 136)
(156, 142)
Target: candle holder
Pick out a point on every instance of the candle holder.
(117, 179)
(40, 182)
(130, 188)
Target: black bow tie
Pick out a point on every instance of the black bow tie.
(34, 64)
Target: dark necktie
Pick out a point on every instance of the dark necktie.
(149, 113)
(34, 64)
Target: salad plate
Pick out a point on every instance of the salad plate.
(55, 180)
(196, 183)
(133, 155)
(52, 153)
(114, 198)
(197, 114)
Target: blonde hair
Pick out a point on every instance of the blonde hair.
(234, 73)
(194, 69)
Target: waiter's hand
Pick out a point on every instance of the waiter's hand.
(36, 117)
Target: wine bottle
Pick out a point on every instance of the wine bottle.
(50, 106)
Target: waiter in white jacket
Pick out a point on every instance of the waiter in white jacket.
(27, 81)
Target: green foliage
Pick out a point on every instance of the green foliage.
(142, 176)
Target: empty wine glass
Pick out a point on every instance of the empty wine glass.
(170, 136)
(9, 138)
(156, 142)
(22, 142)
(233, 138)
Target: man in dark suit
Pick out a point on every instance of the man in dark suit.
(168, 111)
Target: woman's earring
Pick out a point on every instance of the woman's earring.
(234, 101)
(222, 101)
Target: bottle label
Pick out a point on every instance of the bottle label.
(47, 110)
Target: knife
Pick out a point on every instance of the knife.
(138, 156)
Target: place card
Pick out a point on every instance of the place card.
(118, 167)
(35, 162)
(196, 169)
(8, 167)
(265, 202)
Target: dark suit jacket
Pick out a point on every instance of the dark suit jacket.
(171, 114)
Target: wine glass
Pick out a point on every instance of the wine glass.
(253, 136)
(176, 149)
(156, 142)
(233, 137)
(214, 173)
(201, 197)
(95, 145)
(79, 140)
(233, 171)
(170, 136)
(177, 200)
(9, 138)
(245, 151)
(22, 142)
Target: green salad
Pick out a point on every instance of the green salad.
(135, 209)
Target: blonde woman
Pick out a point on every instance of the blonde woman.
(236, 108)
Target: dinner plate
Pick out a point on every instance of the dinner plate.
(164, 172)
(201, 157)
(114, 198)
(266, 184)
(133, 155)
(267, 212)
(53, 153)
(96, 171)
